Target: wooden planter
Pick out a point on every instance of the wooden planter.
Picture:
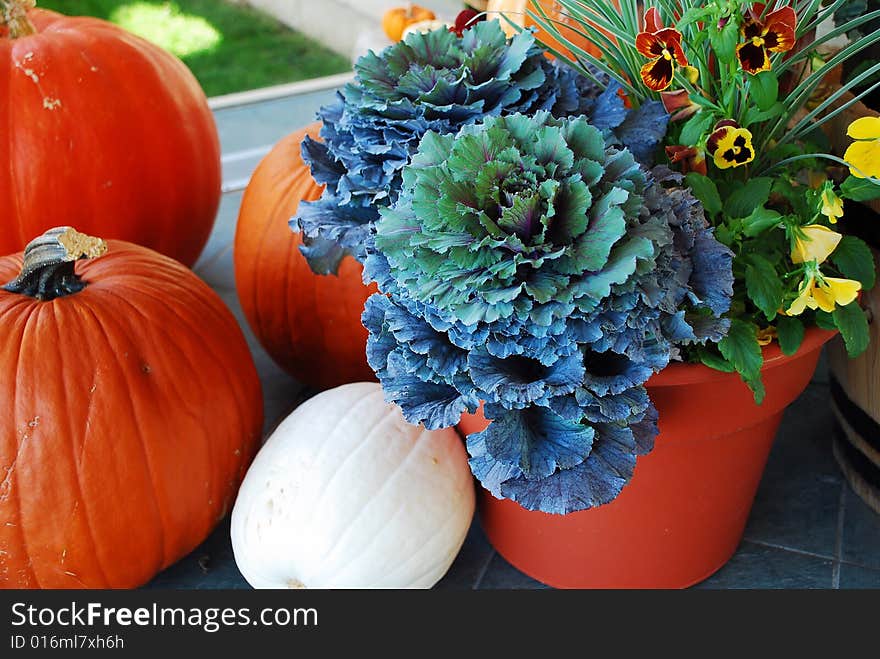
(855, 383)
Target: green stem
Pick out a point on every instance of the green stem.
(48, 269)
(13, 14)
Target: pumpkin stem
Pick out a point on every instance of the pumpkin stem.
(47, 272)
(13, 14)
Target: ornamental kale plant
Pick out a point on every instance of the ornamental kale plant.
(439, 82)
(529, 264)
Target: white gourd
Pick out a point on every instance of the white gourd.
(346, 494)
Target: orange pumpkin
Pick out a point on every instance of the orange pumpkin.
(131, 409)
(517, 12)
(105, 129)
(310, 324)
(396, 20)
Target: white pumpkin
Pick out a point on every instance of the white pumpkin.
(346, 494)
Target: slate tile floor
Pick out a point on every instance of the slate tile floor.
(807, 528)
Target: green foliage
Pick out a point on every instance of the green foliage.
(695, 127)
(764, 285)
(855, 260)
(706, 191)
(764, 88)
(747, 198)
(790, 332)
(709, 356)
(761, 220)
(740, 347)
(853, 326)
(859, 189)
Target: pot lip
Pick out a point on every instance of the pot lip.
(678, 373)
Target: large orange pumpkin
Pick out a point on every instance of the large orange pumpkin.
(310, 324)
(517, 12)
(104, 131)
(130, 410)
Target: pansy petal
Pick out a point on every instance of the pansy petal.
(657, 74)
(843, 291)
(674, 45)
(653, 22)
(649, 45)
(785, 16)
(823, 297)
(752, 58)
(802, 301)
(865, 128)
(817, 244)
(780, 36)
(864, 158)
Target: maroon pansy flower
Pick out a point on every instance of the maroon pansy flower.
(663, 47)
(773, 33)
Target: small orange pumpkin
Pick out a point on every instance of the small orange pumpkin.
(517, 12)
(309, 324)
(131, 409)
(396, 20)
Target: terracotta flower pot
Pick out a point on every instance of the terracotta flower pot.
(684, 512)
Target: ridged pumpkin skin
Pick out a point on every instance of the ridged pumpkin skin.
(310, 324)
(129, 413)
(107, 133)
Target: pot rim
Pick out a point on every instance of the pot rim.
(679, 373)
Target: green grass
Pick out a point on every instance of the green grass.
(229, 48)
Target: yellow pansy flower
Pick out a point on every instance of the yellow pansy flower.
(729, 145)
(818, 292)
(814, 242)
(832, 205)
(863, 155)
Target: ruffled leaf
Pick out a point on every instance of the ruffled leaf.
(537, 441)
(596, 481)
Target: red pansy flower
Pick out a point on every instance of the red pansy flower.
(774, 33)
(663, 47)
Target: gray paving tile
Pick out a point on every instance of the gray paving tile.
(852, 576)
(262, 124)
(799, 495)
(280, 391)
(470, 562)
(861, 532)
(758, 566)
(215, 264)
(210, 566)
(501, 575)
